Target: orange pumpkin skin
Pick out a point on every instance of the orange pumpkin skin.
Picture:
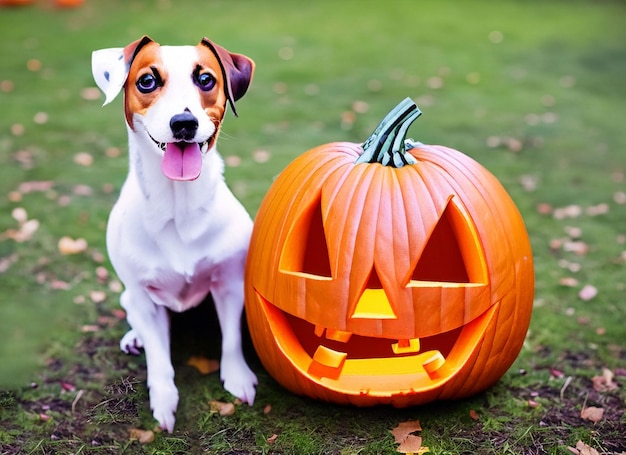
(368, 284)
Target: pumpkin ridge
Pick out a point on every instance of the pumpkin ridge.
(358, 276)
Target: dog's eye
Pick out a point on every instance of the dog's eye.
(205, 81)
(147, 83)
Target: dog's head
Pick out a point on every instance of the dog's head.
(176, 95)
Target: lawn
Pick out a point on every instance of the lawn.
(534, 90)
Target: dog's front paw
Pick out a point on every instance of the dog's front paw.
(131, 343)
(163, 402)
(239, 380)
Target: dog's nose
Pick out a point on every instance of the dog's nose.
(184, 126)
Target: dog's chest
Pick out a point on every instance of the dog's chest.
(180, 291)
(182, 273)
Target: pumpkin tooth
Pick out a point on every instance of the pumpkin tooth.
(327, 363)
(338, 335)
(406, 345)
(433, 363)
(319, 330)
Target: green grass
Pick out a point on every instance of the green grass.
(534, 90)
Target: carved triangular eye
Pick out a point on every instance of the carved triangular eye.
(453, 253)
(305, 251)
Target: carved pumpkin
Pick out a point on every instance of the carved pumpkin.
(388, 272)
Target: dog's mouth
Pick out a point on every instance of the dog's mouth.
(182, 161)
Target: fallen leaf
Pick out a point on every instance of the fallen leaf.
(40, 118)
(227, 410)
(203, 365)
(569, 282)
(118, 313)
(67, 386)
(588, 292)
(33, 64)
(115, 286)
(17, 129)
(544, 208)
(404, 429)
(68, 245)
(223, 409)
(26, 230)
(412, 444)
(59, 285)
(604, 383)
(35, 186)
(90, 328)
(19, 214)
(600, 209)
(261, 156)
(592, 414)
(7, 86)
(556, 373)
(97, 296)
(473, 414)
(7, 262)
(83, 159)
(82, 190)
(577, 247)
(272, 438)
(143, 436)
(583, 449)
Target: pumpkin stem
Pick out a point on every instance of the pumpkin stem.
(386, 145)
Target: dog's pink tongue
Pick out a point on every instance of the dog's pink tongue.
(182, 161)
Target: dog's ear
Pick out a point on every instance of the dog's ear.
(237, 70)
(110, 67)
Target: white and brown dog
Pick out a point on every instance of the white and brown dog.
(177, 232)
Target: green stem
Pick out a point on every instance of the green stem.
(386, 144)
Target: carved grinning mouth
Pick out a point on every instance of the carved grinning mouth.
(346, 361)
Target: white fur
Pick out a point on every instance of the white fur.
(172, 242)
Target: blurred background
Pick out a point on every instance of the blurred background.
(534, 90)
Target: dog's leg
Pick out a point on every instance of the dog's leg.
(237, 377)
(150, 329)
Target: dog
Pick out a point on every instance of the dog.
(177, 232)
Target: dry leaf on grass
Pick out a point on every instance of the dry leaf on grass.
(26, 230)
(409, 443)
(592, 414)
(404, 429)
(605, 382)
(68, 245)
(412, 444)
(272, 438)
(583, 449)
(588, 292)
(223, 409)
(203, 365)
(143, 436)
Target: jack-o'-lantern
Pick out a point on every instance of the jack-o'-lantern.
(388, 272)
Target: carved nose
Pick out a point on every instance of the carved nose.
(184, 126)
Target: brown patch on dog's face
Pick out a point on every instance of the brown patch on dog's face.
(148, 79)
(147, 61)
(214, 100)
